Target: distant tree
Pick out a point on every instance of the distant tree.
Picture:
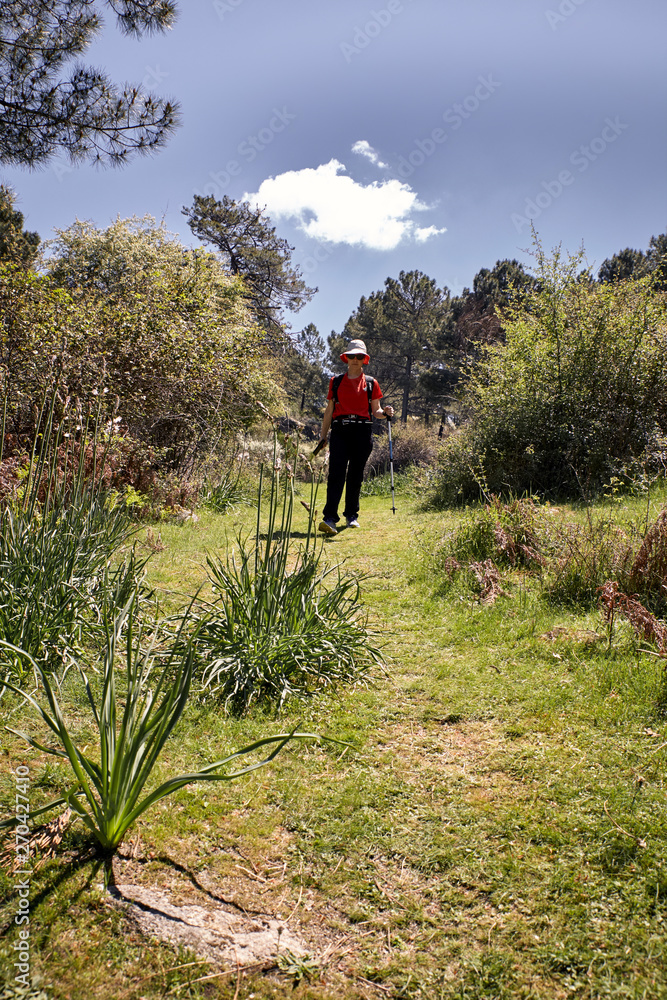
(475, 313)
(251, 249)
(303, 366)
(656, 260)
(366, 323)
(416, 312)
(623, 265)
(405, 330)
(16, 244)
(84, 115)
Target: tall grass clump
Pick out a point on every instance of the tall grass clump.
(281, 623)
(224, 492)
(585, 555)
(509, 534)
(226, 484)
(59, 533)
(135, 712)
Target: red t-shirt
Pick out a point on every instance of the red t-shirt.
(353, 396)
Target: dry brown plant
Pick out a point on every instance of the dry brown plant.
(648, 573)
(518, 553)
(487, 575)
(45, 841)
(451, 566)
(645, 625)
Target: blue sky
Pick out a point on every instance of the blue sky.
(395, 135)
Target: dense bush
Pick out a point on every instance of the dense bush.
(412, 445)
(161, 331)
(575, 396)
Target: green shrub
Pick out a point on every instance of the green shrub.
(457, 475)
(573, 397)
(507, 533)
(55, 578)
(161, 327)
(58, 536)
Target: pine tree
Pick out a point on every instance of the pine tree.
(627, 263)
(16, 244)
(405, 331)
(250, 248)
(44, 111)
(656, 260)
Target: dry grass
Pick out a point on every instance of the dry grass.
(648, 573)
(645, 625)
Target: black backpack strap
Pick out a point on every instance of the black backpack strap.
(334, 388)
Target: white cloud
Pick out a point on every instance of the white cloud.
(364, 148)
(421, 235)
(335, 208)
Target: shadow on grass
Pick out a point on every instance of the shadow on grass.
(617, 855)
(60, 872)
(191, 876)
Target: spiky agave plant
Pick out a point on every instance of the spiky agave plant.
(108, 794)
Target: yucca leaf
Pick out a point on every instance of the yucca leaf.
(15, 820)
(34, 743)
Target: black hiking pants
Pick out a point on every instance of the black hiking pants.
(349, 448)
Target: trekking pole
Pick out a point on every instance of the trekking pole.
(391, 466)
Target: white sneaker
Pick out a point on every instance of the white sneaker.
(328, 527)
(352, 522)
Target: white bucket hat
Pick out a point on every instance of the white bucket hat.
(356, 347)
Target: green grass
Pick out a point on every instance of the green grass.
(499, 831)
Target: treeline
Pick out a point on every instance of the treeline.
(425, 342)
(556, 376)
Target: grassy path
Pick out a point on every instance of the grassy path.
(499, 830)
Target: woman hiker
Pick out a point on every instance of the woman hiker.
(353, 401)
